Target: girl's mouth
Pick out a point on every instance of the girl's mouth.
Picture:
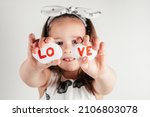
(68, 59)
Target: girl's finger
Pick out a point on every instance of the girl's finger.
(86, 40)
(49, 39)
(30, 43)
(101, 49)
(83, 61)
(79, 40)
(31, 38)
(35, 46)
(54, 63)
(41, 42)
(101, 52)
(95, 43)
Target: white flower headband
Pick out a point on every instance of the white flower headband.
(81, 13)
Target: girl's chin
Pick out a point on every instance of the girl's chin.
(69, 67)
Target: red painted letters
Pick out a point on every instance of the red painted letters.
(81, 51)
(88, 50)
(41, 56)
(49, 52)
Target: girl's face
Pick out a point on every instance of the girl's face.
(66, 31)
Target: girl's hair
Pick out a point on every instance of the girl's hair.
(90, 30)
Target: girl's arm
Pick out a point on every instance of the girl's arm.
(32, 75)
(105, 81)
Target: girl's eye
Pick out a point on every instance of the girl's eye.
(59, 43)
(74, 42)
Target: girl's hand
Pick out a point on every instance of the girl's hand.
(96, 67)
(33, 47)
(104, 76)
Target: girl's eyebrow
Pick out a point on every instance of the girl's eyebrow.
(72, 37)
(76, 37)
(57, 38)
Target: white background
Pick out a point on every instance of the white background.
(124, 26)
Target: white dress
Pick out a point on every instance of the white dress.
(72, 93)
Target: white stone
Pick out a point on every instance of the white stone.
(80, 50)
(54, 52)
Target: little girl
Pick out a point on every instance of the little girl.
(68, 78)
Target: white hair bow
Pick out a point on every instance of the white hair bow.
(81, 13)
(60, 10)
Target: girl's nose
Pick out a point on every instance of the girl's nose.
(67, 48)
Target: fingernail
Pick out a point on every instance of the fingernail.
(47, 40)
(95, 47)
(84, 58)
(42, 44)
(56, 61)
(31, 35)
(36, 50)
